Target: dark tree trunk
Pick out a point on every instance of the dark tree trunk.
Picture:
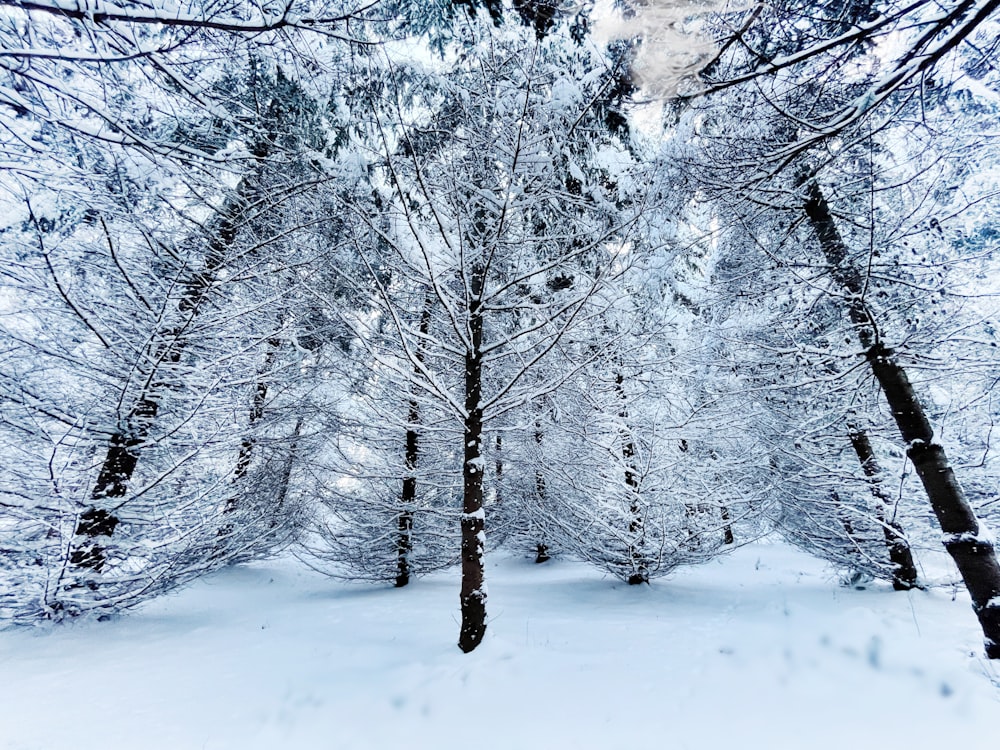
(286, 471)
(285, 478)
(125, 445)
(727, 528)
(249, 442)
(541, 548)
(256, 414)
(96, 521)
(408, 496)
(498, 467)
(904, 572)
(89, 552)
(473, 594)
(974, 556)
(404, 521)
(845, 520)
(636, 526)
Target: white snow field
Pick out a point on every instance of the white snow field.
(761, 649)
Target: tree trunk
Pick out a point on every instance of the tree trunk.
(974, 556)
(249, 441)
(408, 496)
(119, 464)
(473, 594)
(727, 527)
(286, 471)
(636, 525)
(404, 521)
(541, 548)
(125, 445)
(904, 572)
(498, 466)
(256, 414)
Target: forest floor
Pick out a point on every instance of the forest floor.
(759, 649)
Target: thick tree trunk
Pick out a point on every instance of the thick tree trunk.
(973, 554)
(727, 527)
(636, 526)
(286, 471)
(125, 445)
(904, 572)
(99, 519)
(845, 520)
(473, 594)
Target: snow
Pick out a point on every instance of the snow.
(758, 650)
(983, 536)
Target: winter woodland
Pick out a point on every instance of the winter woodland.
(395, 285)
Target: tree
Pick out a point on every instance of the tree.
(479, 227)
(851, 272)
(70, 65)
(154, 318)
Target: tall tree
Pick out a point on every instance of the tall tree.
(154, 315)
(479, 227)
(782, 167)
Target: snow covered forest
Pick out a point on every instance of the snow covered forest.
(393, 287)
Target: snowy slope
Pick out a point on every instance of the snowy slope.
(759, 650)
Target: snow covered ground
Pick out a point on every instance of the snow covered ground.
(761, 649)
